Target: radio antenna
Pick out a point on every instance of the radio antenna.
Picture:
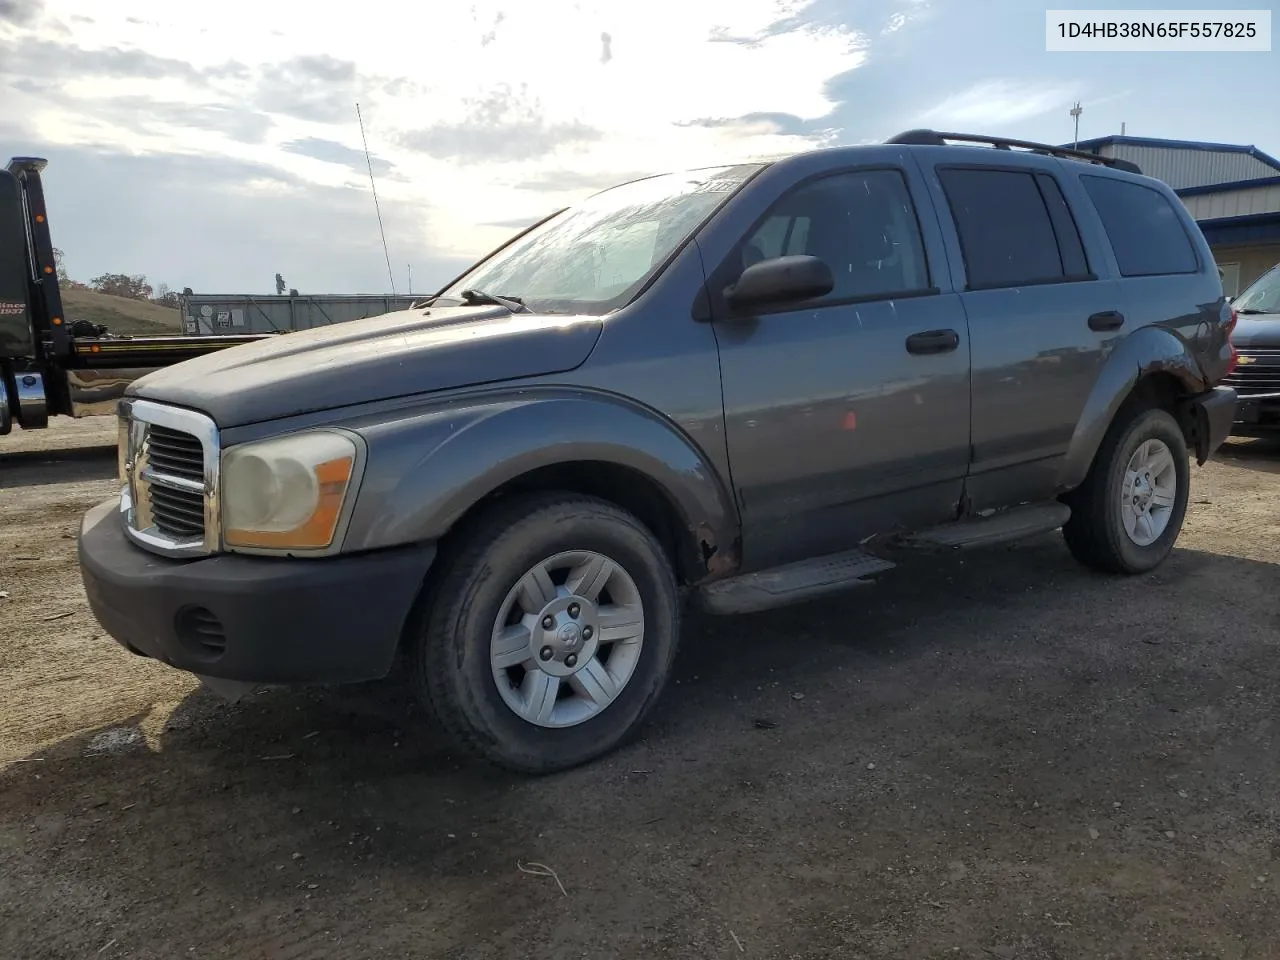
(377, 209)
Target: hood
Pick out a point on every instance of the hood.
(361, 361)
(1256, 330)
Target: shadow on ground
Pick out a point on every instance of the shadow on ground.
(1260, 453)
(30, 468)
(996, 755)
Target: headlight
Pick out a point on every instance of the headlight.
(288, 493)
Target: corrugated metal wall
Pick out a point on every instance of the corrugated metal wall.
(1190, 168)
(212, 313)
(1234, 203)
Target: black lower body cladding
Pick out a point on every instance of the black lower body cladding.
(253, 619)
(1215, 412)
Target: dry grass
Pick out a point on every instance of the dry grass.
(121, 315)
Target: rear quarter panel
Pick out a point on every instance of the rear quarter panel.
(1189, 306)
(1173, 322)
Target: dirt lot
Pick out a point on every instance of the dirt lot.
(1001, 757)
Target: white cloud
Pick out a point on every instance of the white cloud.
(472, 103)
(911, 12)
(998, 104)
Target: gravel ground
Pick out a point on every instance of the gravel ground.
(1004, 756)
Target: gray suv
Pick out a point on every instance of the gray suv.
(741, 386)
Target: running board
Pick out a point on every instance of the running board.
(1005, 526)
(792, 583)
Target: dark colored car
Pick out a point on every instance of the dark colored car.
(1256, 377)
(746, 385)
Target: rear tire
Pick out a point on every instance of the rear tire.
(1126, 520)
(532, 698)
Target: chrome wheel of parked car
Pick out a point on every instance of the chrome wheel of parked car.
(567, 638)
(1148, 493)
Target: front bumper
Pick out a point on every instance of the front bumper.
(252, 619)
(1257, 413)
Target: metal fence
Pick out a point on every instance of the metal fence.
(231, 313)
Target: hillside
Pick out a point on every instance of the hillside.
(120, 314)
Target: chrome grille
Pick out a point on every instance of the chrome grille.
(176, 511)
(169, 459)
(1257, 371)
(171, 451)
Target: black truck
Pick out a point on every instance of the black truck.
(742, 386)
(50, 366)
(1256, 377)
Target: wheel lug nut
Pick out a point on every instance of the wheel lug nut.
(546, 653)
(587, 633)
(574, 610)
(571, 660)
(548, 622)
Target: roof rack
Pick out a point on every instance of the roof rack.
(934, 138)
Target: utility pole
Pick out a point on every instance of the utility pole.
(1075, 113)
(411, 279)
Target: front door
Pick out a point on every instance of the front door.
(847, 413)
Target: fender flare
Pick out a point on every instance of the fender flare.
(1147, 351)
(427, 469)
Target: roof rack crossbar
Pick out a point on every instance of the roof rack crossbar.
(935, 138)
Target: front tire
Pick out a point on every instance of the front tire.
(551, 635)
(1128, 513)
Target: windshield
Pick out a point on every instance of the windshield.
(1263, 295)
(596, 256)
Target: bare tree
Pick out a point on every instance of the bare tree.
(165, 296)
(60, 265)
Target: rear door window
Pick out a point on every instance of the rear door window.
(1146, 233)
(1006, 228)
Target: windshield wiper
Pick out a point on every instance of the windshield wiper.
(1249, 310)
(474, 298)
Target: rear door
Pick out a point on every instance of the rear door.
(1042, 320)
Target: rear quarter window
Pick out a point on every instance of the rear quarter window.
(1147, 235)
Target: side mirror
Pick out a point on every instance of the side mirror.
(781, 280)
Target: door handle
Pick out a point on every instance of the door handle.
(933, 341)
(1106, 320)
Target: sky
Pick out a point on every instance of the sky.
(212, 146)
